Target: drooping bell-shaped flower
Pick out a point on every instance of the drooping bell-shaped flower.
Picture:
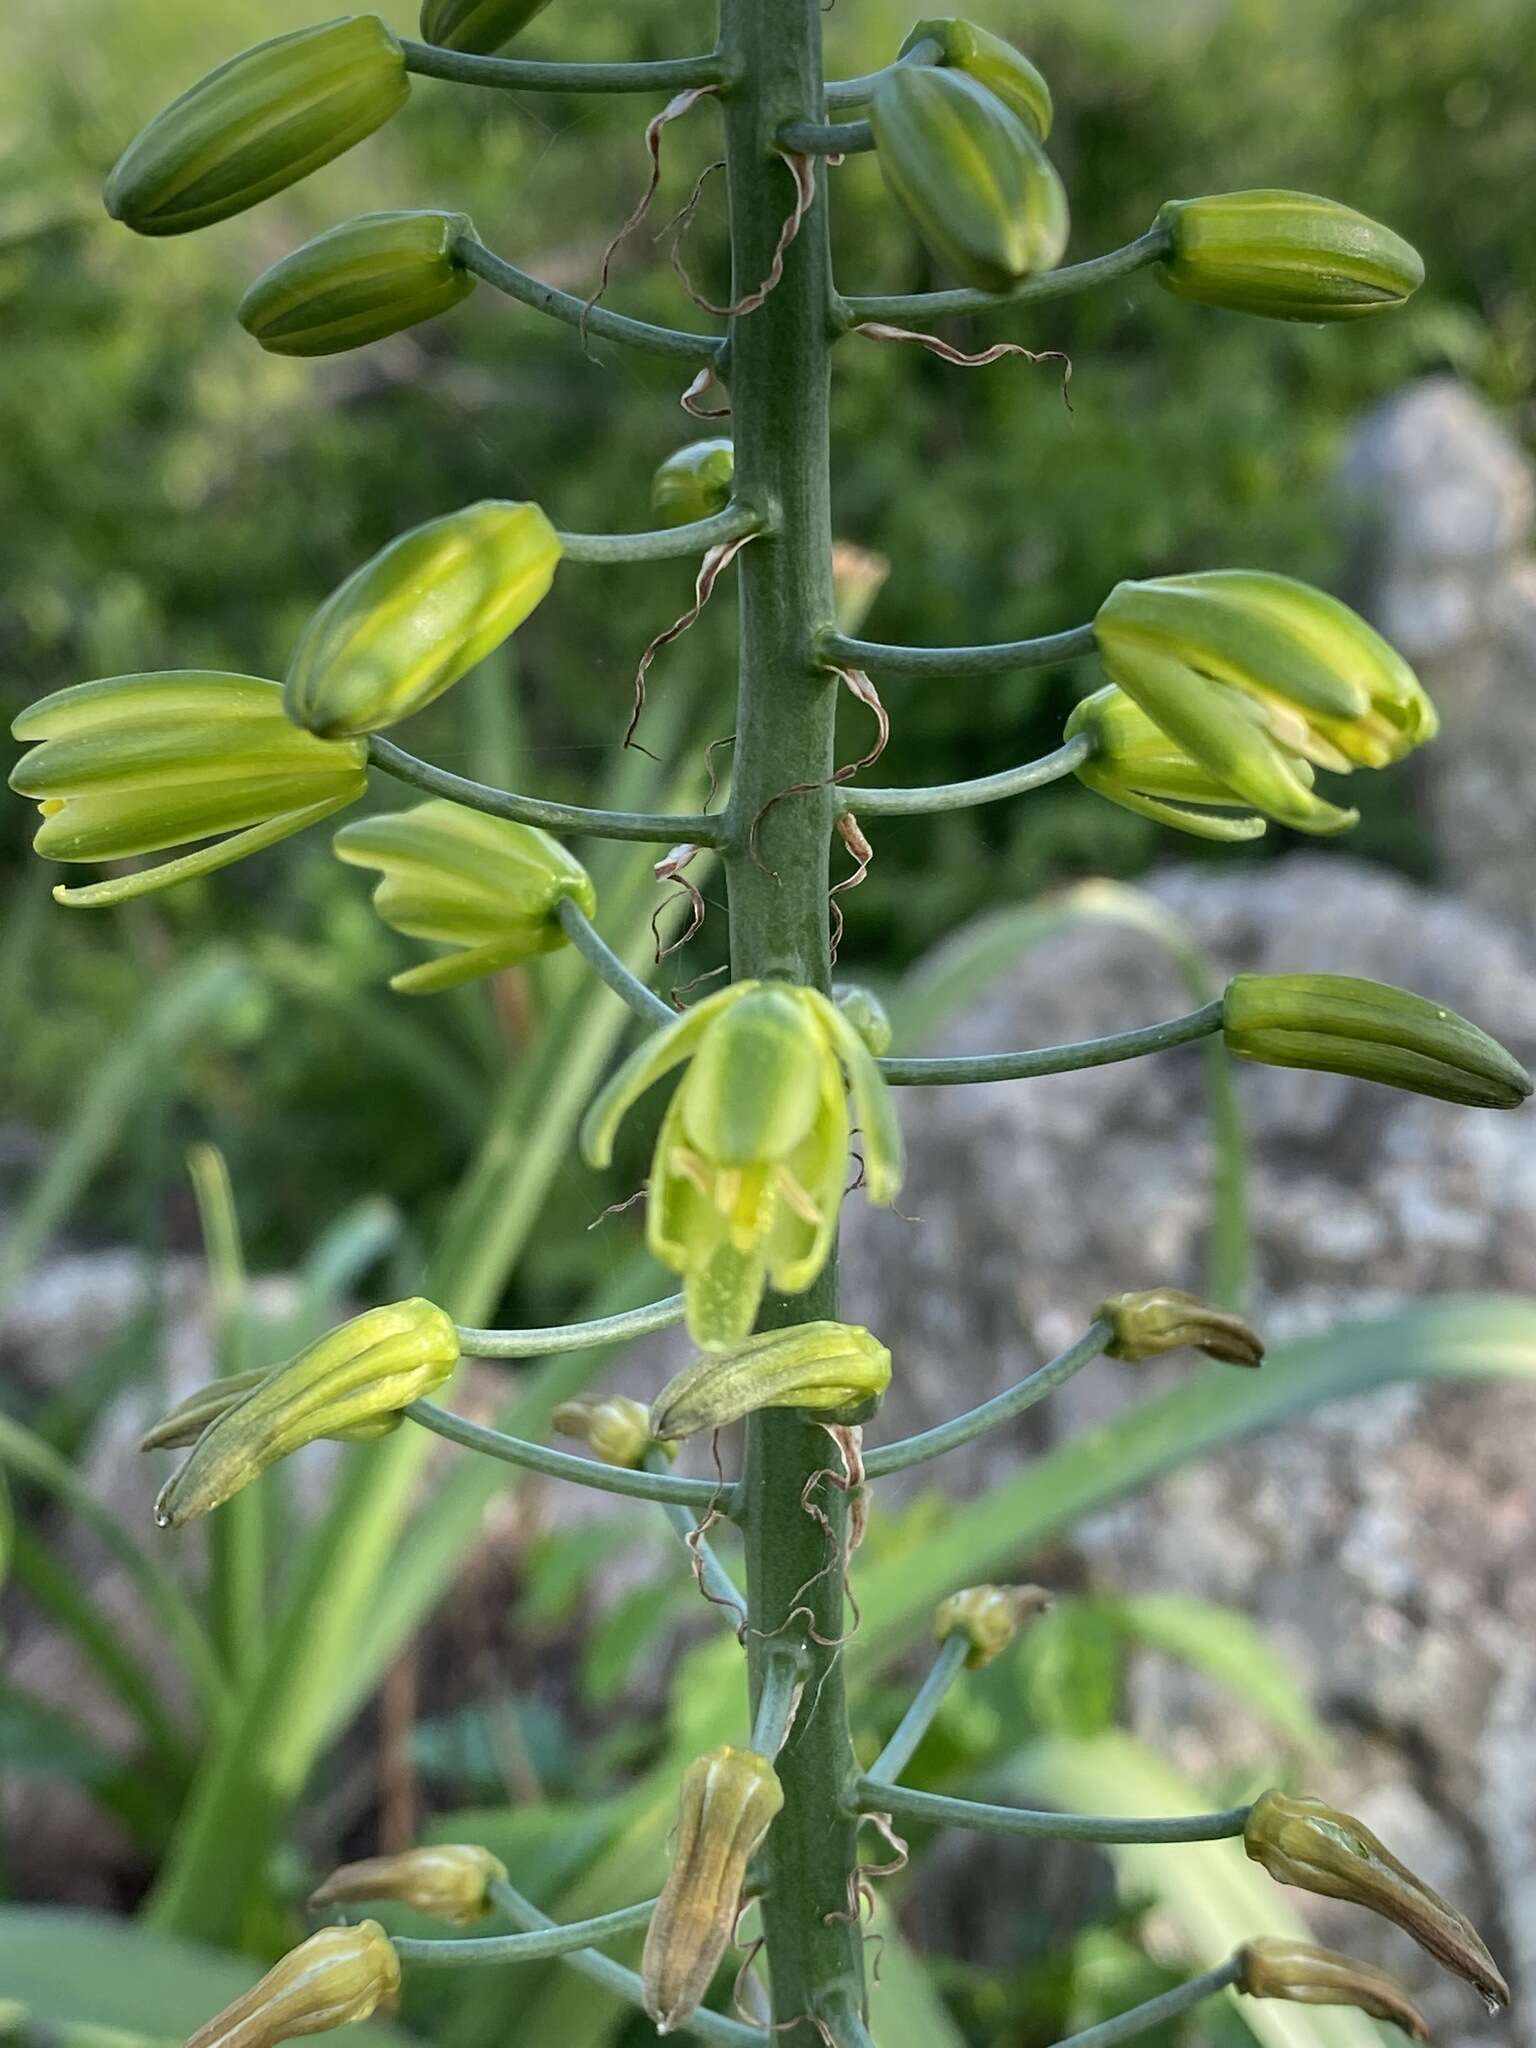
(751, 1161)
(488, 887)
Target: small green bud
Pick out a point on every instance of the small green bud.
(137, 764)
(1258, 678)
(615, 1429)
(1136, 765)
(1006, 72)
(729, 1801)
(1160, 1319)
(1274, 1966)
(980, 191)
(359, 282)
(406, 625)
(833, 1370)
(751, 1160)
(363, 1373)
(867, 1014)
(259, 123)
(1287, 255)
(449, 1882)
(339, 1975)
(694, 482)
(1367, 1029)
(487, 886)
(1319, 1849)
(858, 577)
(479, 27)
(989, 1617)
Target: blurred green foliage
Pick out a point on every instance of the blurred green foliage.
(171, 496)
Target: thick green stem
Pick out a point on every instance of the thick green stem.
(778, 912)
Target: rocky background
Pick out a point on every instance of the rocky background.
(1388, 1547)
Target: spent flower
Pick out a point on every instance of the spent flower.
(989, 1617)
(1314, 1846)
(729, 1800)
(615, 1429)
(1153, 1320)
(339, 1975)
(1275, 1966)
(364, 1372)
(835, 1371)
(448, 1881)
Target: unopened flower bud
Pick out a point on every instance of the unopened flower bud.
(139, 764)
(729, 1800)
(490, 888)
(1288, 255)
(1159, 1319)
(1274, 1966)
(359, 282)
(834, 1370)
(751, 1161)
(858, 577)
(989, 1617)
(365, 1372)
(970, 175)
(615, 1429)
(339, 1975)
(1006, 72)
(1315, 1847)
(259, 123)
(1260, 679)
(694, 482)
(1371, 1031)
(867, 1014)
(480, 27)
(450, 1882)
(406, 625)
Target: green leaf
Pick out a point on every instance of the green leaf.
(1228, 1647)
(1209, 1891)
(39, 1741)
(69, 1967)
(183, 1006)
(1069, 1669)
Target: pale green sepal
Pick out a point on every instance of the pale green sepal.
(656, 1056)
(206, 861)
(874, 1108)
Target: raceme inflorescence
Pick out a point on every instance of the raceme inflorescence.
(1223, 696)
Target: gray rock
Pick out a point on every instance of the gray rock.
(1387, 1546)
(1448, 498)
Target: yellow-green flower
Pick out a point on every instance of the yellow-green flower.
(406, 625)
(477, 26)
(751, 1162)
(486, 886)
(339, 1975)
(138, 764)
(833, 1370)
(1136, 765)
(1258, 679)
(1006, 72)
(362, 1374)
(448, 1881)
(729, 1801)
(1340, 1024)
(1286, 255)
